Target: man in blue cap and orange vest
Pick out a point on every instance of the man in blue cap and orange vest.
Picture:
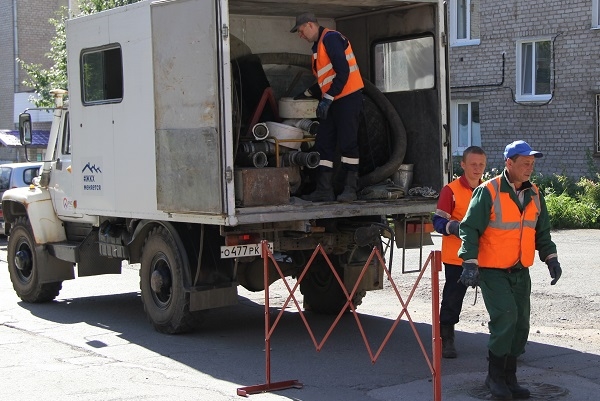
(506, 222)
(339, 90)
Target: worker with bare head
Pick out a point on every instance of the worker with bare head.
(451, 208)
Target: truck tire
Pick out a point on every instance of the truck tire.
(321, 290)
(166, 303)
(24, 268)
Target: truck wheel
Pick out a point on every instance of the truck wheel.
(24, 268)
(161, 282)
(321, 290)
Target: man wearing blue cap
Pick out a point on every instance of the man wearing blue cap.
(507, 220)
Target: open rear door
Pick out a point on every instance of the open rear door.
(187, 107)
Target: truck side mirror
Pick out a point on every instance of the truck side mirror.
(25, 128)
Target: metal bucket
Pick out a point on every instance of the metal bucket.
(403, 177)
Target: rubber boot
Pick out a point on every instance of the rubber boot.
(447, 333)
(324, 190)
(517, 391)
(349, 193)
(496, 378)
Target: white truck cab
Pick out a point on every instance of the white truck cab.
(151, 159)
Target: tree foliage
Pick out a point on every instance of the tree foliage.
(43, 80)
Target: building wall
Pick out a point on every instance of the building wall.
(33, 33)
(564, 129)
(7, 77)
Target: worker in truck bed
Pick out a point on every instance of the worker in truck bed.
(451, 208)
(340, 92)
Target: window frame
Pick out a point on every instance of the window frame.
(519, 71)
(454, 123)
(106, 75)
(595, 14)
(454, 39)
(66, 136)
(379, 69)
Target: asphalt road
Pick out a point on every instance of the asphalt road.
(94, 343)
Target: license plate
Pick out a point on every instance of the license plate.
(239, 251)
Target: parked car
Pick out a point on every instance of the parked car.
(13, 175)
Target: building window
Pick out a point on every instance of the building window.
(595, 14)
(405, 65)
(464, 25)
(102, 75)
(534, 59)
(465, 125)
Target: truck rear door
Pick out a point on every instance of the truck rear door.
(187, 88)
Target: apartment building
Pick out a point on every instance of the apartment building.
(527, 69)
(26, 32)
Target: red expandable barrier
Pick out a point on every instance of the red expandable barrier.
(434, 363)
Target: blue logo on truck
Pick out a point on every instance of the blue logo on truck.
(92, 180)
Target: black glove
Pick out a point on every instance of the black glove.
(555, 270)
(307, 94)
(470, 274)
(452, 227)
(323, 108)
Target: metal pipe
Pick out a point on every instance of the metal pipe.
(15, 48)
(260, 131)
(254, 159)
(251, 147)
(308, 125)
(306, 159)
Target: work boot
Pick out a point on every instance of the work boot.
(349, 193)
(496, 378)
(324, 190)
(447, 333)
(511, 379)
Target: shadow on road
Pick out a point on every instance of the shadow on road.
(230, 346)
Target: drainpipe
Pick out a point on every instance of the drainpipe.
(15, 48)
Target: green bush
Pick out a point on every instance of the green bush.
(557, 184)
(589, 190)
(568, 212)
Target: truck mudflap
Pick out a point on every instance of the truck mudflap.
(36, 203)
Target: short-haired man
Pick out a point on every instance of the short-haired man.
(451, 208)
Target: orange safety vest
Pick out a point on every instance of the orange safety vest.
(323, 69)
(450, 243)
(510, 234)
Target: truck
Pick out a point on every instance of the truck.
(177, 149)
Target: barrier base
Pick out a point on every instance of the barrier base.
(262, 388)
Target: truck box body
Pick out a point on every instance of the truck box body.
(165, 150)
(153, 160)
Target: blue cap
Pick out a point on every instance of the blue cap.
(520, 148)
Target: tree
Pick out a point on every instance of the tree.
(43, 80)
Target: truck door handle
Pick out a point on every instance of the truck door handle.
(58, 164)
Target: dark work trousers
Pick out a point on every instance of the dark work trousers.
(452, 296)
(507, 300)
(340, 129)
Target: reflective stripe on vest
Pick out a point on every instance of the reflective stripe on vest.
(510, 235)
(323, 69)
(450, 243)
